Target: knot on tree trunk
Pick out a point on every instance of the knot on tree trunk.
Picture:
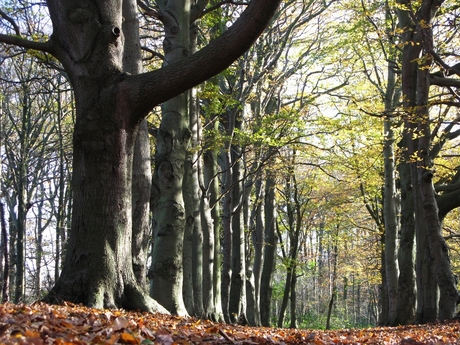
(427, 175)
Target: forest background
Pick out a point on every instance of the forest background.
(299, 177)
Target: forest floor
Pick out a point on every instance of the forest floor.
(67, 324)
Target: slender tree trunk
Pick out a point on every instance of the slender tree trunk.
(293, 296)
(389, 204)
(407, 292)
(60, 211)
(6, 257)
(285, 300)
(227, 233)
(209, 259)
(39, 243)
(210, 172)
(334, 289)
(383, 300)
(21, 228)
(258, 243)
(141, 175)
(270, 244)
(237, 302)
(188, 249)
(198, 241)
(172, 144)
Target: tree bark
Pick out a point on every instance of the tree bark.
(257, 234)
(407, 292)
(6, 264)
(237, 301)
(142, 175)
(389, 203)
(270, 244)
(173, 139)
(198, 240)
(211, 182)
(227, 232)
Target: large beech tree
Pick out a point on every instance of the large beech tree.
(88, 40)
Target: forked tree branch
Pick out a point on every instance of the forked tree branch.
(11, 21)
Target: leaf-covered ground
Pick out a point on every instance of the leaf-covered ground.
(71, 324)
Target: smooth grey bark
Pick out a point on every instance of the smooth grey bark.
(270, 246)
(252, 310)
(209, 259)
(211, 192)
(390, 211)
(227, 229)
(198, 240)
(88, 40)
(192, 291)
(173, 138)
(237, 300)
(60, 212)
(6, 263)
(407, 292)
(257, 234)
(142, 174)
(187, 251)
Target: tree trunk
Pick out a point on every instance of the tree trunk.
(419, 38)
(211, 182)
(237, 301)
(383, 300)
(198, 240)
(437, 245)
(257, 233)
(285, 300)
(209, 259)
(334, 289)
(227, 233)
(172, 143)
(187, 251)
(427, 287)
(6, 264)
(270, 244)
(141, 175)
(390, 211)
(293, 308)
(407, 280)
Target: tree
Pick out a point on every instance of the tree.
(110, 104)
(416, 23)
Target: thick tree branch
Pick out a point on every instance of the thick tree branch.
(21, 42)
(152, 88)
(448, 200)
(440, 81)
